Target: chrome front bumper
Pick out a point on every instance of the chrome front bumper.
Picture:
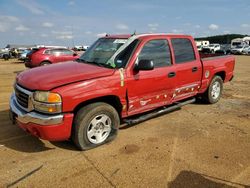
(32, 117)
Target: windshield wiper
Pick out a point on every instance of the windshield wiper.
(95, 63)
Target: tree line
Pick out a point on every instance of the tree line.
(221, 39)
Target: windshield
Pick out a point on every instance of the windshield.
(211, 45)
(239, 47)
(101, 51)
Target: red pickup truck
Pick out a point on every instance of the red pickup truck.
(120, 78)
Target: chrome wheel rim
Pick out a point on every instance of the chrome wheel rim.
(99, 129)
(215, 93)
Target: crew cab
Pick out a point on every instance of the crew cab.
(47, 56)
(120, 78)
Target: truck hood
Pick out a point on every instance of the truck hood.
(52, 76)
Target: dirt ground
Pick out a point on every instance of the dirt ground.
(198, 146)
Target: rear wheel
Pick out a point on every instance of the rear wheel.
(94, 125)
(214, 90)
(45, 63)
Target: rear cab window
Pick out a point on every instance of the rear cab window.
(183, 50)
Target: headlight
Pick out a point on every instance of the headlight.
(47, 102)
(46, 96)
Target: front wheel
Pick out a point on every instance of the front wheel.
(94, 125)
(214, 90)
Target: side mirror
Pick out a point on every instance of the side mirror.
(144, 64)
(75, 54)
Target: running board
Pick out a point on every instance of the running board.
(158, 112)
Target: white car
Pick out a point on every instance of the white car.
(212, 47)
(240, 50)
(246, 51)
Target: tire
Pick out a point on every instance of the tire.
(89, 125)
(214, 91)
(6, 57)
(43, 63)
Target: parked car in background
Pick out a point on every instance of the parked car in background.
(199, 48)
(4, 54)
(212, 47)
(23, 55)
(238, 50)
(246, 51)
(46, 56)
(80, 48)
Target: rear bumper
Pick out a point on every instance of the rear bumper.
(47, 127)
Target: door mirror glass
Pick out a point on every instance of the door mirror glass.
(144, 64)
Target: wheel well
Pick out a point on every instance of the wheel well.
(46, 61)
(110, 99)
(222, 74)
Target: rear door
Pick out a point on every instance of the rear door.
(57, 55)
(68, 55)
(188, 68)
(147, 90)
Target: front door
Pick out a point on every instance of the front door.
(150, 89)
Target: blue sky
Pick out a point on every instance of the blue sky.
(79, 22)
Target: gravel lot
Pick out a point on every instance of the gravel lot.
(198, 146)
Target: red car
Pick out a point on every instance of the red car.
(118, 79)
(46, 56)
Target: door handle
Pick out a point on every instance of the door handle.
(171, 74)
(194, 69)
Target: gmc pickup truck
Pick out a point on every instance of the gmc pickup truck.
(120, 78)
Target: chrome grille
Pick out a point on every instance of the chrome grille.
(22, 97)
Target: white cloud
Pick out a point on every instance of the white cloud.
(8, 18)
(44, 35)
(177, 31)
(187, 24)
(4, 27)
(88, 32)
(22, 28)
(101, 34)
(213, 27)
(226, 32)
(47, 24)
(197, 26)
(6, 22)
(178, 17)
(153, 29)
(62, 32)
(32, 6)
(153, 25)
(71, 3)
(245, 25)
(122, 27)
(63, 37)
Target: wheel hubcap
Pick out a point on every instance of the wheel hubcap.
(215, 93)
(99, 129)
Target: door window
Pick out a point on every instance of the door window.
(183, 50)
(67, 52)
(157, 51)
